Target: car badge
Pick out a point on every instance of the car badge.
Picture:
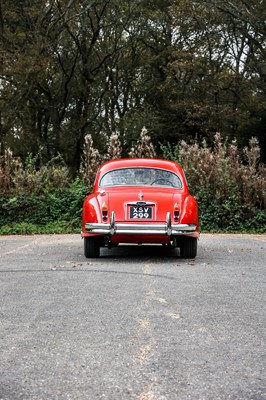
(140, 196)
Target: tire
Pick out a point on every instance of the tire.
(91, 247)
(188, 247)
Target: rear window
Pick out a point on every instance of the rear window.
(141, 176)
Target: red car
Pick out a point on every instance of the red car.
(140, 201)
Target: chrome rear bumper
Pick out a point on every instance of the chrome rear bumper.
(146, 229)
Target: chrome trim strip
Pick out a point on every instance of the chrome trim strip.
(112, 224)
(135, 203)
(168, 224)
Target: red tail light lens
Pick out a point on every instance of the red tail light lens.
(176, 212)
(104, 212)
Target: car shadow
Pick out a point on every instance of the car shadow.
(140, 252)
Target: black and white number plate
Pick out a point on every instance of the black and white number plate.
(138, 212)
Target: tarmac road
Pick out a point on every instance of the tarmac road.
(137, 323)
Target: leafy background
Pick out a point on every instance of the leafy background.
(79, 81)
(229, 184)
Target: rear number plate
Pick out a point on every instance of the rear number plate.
(140, 212)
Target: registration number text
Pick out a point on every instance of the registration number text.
(139, 212)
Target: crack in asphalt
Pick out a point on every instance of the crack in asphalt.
(74, 270)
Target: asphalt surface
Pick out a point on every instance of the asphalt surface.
(137, 323)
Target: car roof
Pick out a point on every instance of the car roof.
(140, 162)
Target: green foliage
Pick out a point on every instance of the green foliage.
(227, 214)
(54, 211)
(192, 64)
(27, 228)
(170, 152)
(230, 186)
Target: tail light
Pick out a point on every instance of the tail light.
(176, 212)
(104, 212)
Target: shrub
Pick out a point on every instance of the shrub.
(38, 199)
(10, 172)
(16, 178)
(54, 211)
(144, 147)
(230, 185)
(90, 161)
(114, 149)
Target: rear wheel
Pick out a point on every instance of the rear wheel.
(188, 247)
(91, 247)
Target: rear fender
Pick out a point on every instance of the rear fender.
(189, 212)
(91, 211)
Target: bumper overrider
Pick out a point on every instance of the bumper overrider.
(138, 228)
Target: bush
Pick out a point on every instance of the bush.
(56, 210)
(33, 177)
(230, 185)
(36, 198)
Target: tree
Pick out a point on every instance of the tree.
(184, 69)
(63, 56)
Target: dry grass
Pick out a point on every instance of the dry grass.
(224, 168)
(228, 182)
(16, 177)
